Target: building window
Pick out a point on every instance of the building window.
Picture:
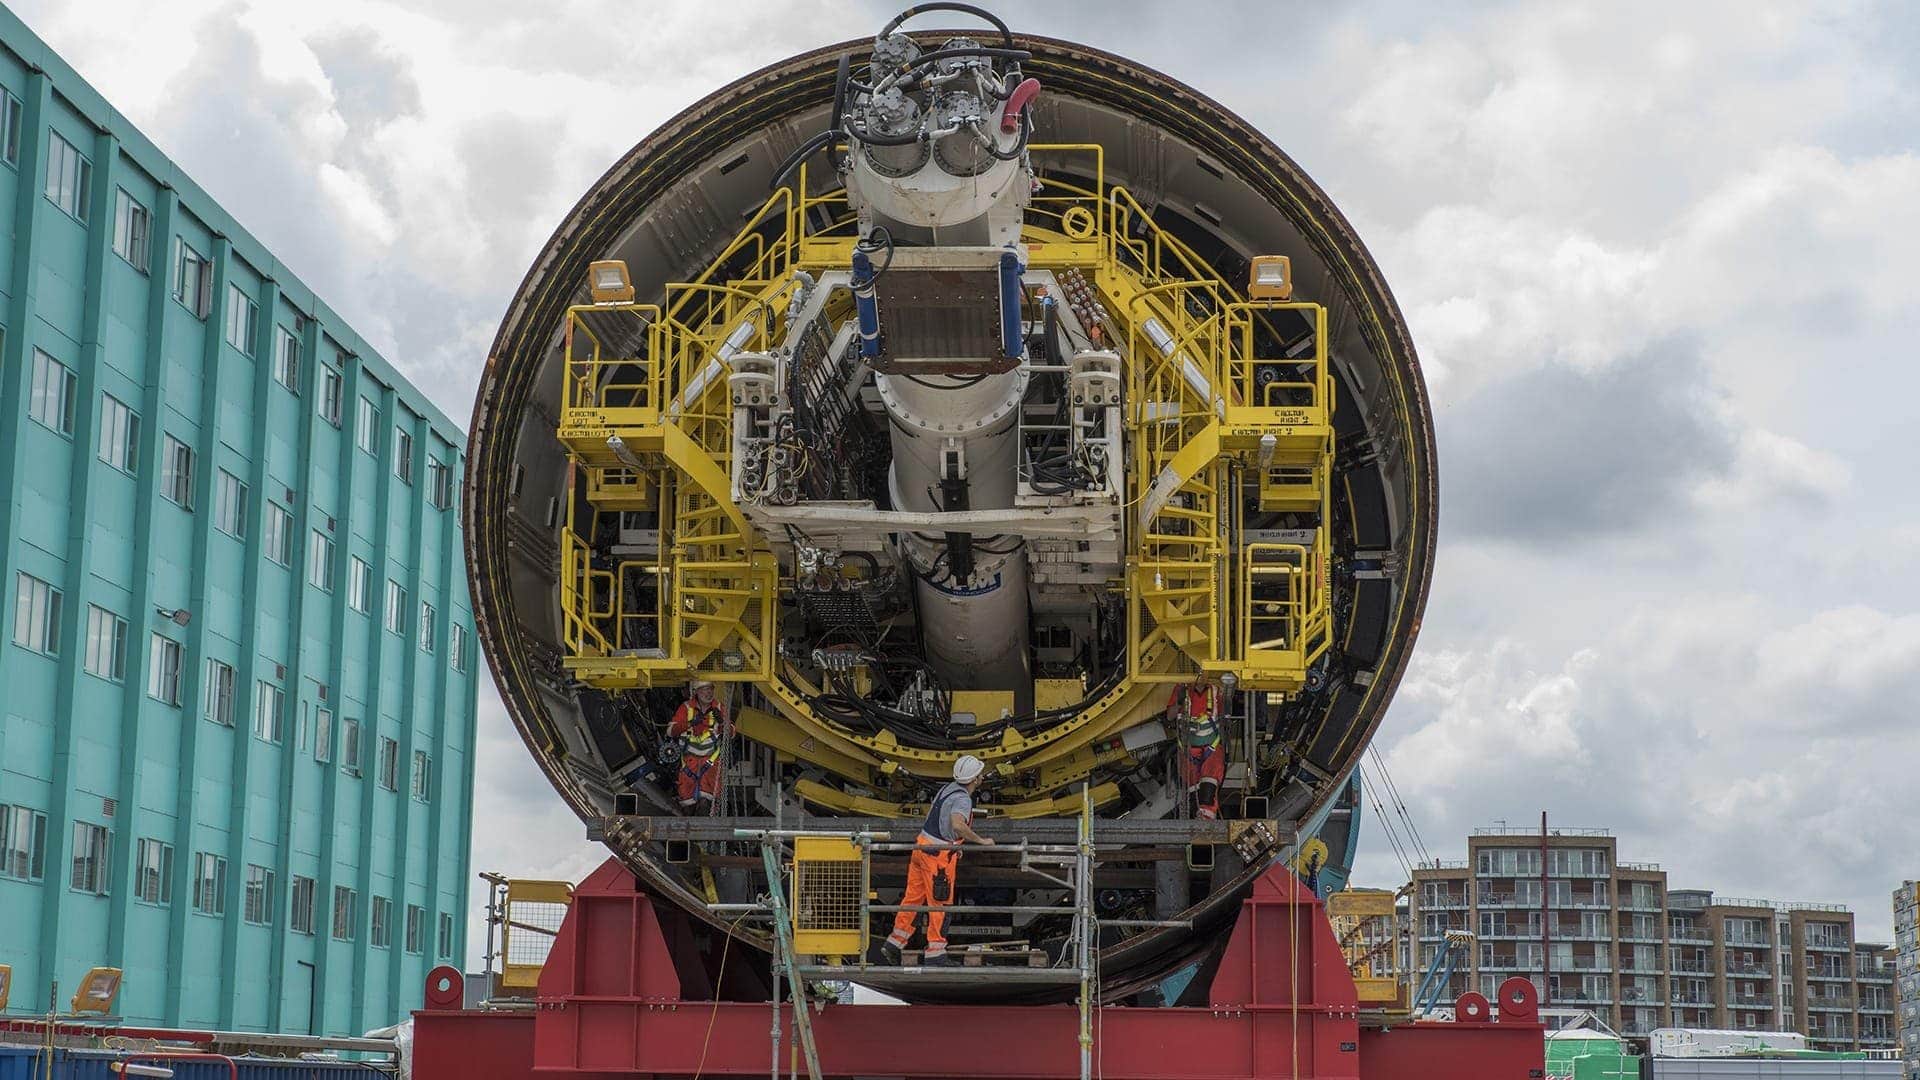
(90, 858)
(163, 670)
(359, 585)
(416, 928)
(382, 931)
(350, 745)
(422, 775)
(51, 400)
(131, 225)
(457, 648)
(209, 883)
(286, 359)
(320, 561)
(439, 483)
(69, 174)
(23, 843)
(364, 426)
(269, 709)
(119, 434)
(106, 643)
(192, 279)
(446, 935)
(10, 127)
(301, 915)
(279, 535)
(229, 504)
(36, 615)
(426, 627)
(218, 703)
(403, 455)
(344, 900)
(331, 385)
(243, 320)
(153, 871)
(389, 764)
(176, 473)
(323, 736)
(258, 900)
(396, 607)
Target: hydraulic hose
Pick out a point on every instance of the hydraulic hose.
(1006, 35)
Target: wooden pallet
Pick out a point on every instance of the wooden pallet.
(971, 957)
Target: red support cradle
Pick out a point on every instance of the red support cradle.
(1282, 1006)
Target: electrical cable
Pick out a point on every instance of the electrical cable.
(717, 982)
(1006, 34)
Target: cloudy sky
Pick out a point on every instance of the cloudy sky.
(1660, 261)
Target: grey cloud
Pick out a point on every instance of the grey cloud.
(370, 84)
(1552, 454)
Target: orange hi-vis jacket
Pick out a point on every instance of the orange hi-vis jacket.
(1197, 710)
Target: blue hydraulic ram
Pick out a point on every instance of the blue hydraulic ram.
(866, 305)
(1012, 335)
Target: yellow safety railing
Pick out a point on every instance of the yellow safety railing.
(1310, 391)
(1286, 622)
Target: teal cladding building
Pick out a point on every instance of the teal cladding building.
(238, 671)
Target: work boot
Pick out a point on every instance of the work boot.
(889, 953)
(938, 960)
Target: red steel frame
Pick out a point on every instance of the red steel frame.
(1282, 1006)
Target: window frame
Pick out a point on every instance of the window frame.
(403, 455)
(300, 901)
(445, 935)
(209, 890)
(429, 640)
(164, 676)
(92, 856)
(11, 116)
(243, 318)
(132, 230)
(32, 856)
(323, 736)
(38, 392)
(350, 746)
(195, 295)
(420, 779)
(414, 940)
(276, 535)
(150, 850)
(117, 662)
(333, 387)
(380, 923)
(388, 764)
(360, 585)
(395, 615)
(221, 685)
(320, 561)
(72, 163)
(287, 349)
(176, 484)
(345, 900)
(119, 435)
(269, 722)
(256, 896)
(366, 421)
(34, 597)
(230, 495)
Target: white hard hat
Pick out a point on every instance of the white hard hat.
(967, 768)
(698, 683)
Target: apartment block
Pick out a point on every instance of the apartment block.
(1906, 948)
(1610, 937)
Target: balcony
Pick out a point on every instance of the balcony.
(1750, 1001)
(1749, 941)
(1830, 1004)
(1691, 1001)
(1580, 997)
(1697, 966)
(1829, 976)
(1751, 971)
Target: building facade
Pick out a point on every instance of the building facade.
(239, 668)
(1906, 945)
(1610, 937)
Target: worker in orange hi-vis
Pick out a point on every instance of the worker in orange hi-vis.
(702, 721)
(935, 859)
(1194, 713)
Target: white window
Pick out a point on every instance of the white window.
(359, 585)
(131, 225)
(106, 643)
(286, 359)
(269, 712)
(301, 915)
(10, 127)
(278, 540)
(403, 455)
(209, 883)
(36, 615)
(153, 871)
(422, 775)
(457, 649)
(163, 670)
(365, 425)
(243, 320)
(416, 928)
(119, 434)
(320, 561)
(382, 931)
(446, 935)
(176, 473)
(192, 279)
(51, 400)
(323, 736)
(396, 607)
(350, 745)
(426, 627)
(90, 858)
(439, 483)
(389, 764)
(218, 703)
(229, 503)
(23, 843)
(330, 387)
(344, 901)
(258, 900)
(69, 174)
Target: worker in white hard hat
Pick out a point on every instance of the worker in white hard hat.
(702, 721)
(936, 858)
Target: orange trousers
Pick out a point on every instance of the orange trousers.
(699, 778)
(930, 880)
